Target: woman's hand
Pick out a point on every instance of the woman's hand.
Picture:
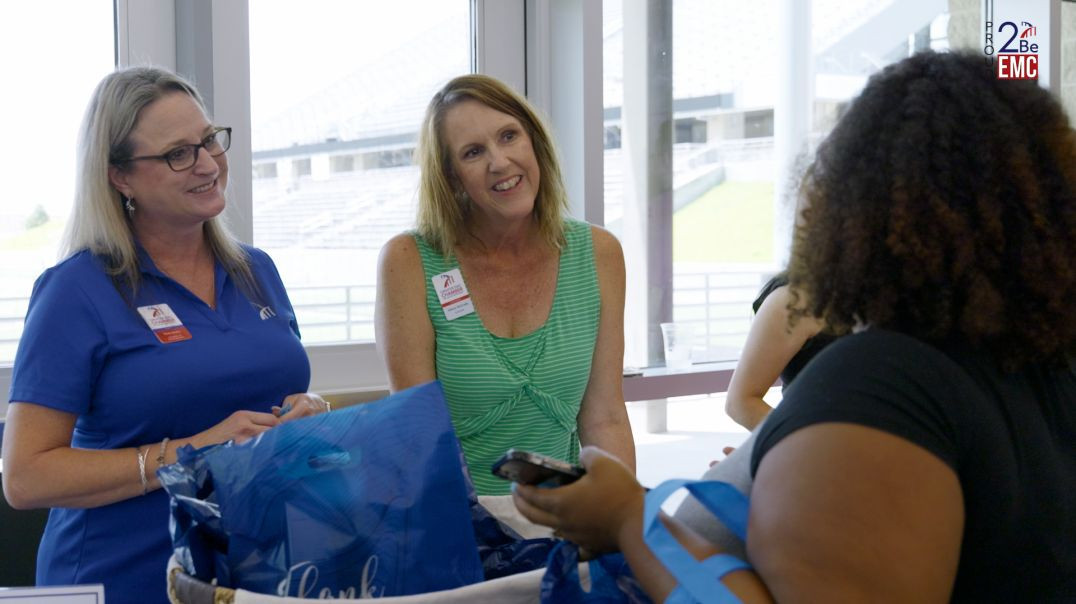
(244, 425)
(239, 426)
(727, 451)
(592, 512)
(303, 404)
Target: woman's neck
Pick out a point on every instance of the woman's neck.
(490, 238)
(174, 248)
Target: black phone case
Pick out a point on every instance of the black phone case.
(528, 468)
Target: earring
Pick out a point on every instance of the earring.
(128, 204)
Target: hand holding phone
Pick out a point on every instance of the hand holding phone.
(536, 469)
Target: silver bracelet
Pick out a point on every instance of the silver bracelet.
(160, 456)
(142, 453)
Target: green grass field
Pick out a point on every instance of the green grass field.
(46, 235)
(733, 222)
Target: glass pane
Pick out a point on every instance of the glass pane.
(55, 53)
(335, 115)
(726, 204)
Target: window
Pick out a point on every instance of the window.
(335, 115)
(732, 100)
(724, 113)
(47, 89)
(264, 170)
(300, 167)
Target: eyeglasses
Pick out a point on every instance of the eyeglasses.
(185, 156)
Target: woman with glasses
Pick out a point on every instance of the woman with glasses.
(157, 330)
(517, 309)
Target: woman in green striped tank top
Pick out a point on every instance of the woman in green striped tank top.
(515, 308)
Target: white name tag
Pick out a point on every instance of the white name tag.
(164, 323)
(453, 295)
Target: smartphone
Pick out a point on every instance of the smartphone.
(536, 469)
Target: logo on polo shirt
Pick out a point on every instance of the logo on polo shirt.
(264, 312)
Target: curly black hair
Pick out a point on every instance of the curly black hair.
(942, 206)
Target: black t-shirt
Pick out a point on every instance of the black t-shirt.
(811, 347)
(1010, 437)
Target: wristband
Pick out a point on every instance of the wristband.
(142, 453)
(160, 456)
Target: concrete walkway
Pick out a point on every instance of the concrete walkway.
(697, 431)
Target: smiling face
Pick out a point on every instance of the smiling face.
(493, 160)
(166, 199)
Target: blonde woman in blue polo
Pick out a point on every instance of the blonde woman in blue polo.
(150, 335)
(515, 308)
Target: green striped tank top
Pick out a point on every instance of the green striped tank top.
(524, 392)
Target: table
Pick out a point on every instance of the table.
(656, 384)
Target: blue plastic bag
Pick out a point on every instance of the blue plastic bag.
(698, 581)
(611, 579)
(367, 501)
(502, 550)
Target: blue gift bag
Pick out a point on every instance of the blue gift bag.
(699, 581)
(612, 581)
(366, 501)
(502, 550)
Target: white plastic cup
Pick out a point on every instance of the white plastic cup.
(678, 338)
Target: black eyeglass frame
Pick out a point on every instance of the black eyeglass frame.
(196, 148)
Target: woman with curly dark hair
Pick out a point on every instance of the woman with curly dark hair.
(930, 455)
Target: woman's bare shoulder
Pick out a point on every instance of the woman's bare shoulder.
(606, 245)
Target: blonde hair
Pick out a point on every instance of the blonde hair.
(442, 210)
(98, 222)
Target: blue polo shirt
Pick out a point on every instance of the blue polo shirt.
(87, 350)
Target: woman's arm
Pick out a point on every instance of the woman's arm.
(403, 332)
(839, 513)
(42, 469)
(603, 511)
(603, 418)
(846, 512)
(770, 345)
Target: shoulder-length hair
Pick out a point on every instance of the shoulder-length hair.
(442, 209)
(98, 222)
(943, 205)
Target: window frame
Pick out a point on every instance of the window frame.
(526, 43)
(144, 33)
(341, 367)
(210, 44)
(496, 27)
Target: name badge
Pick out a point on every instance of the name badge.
(164, 323)
(452, 293)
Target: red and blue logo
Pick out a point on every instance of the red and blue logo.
(1018, 57)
